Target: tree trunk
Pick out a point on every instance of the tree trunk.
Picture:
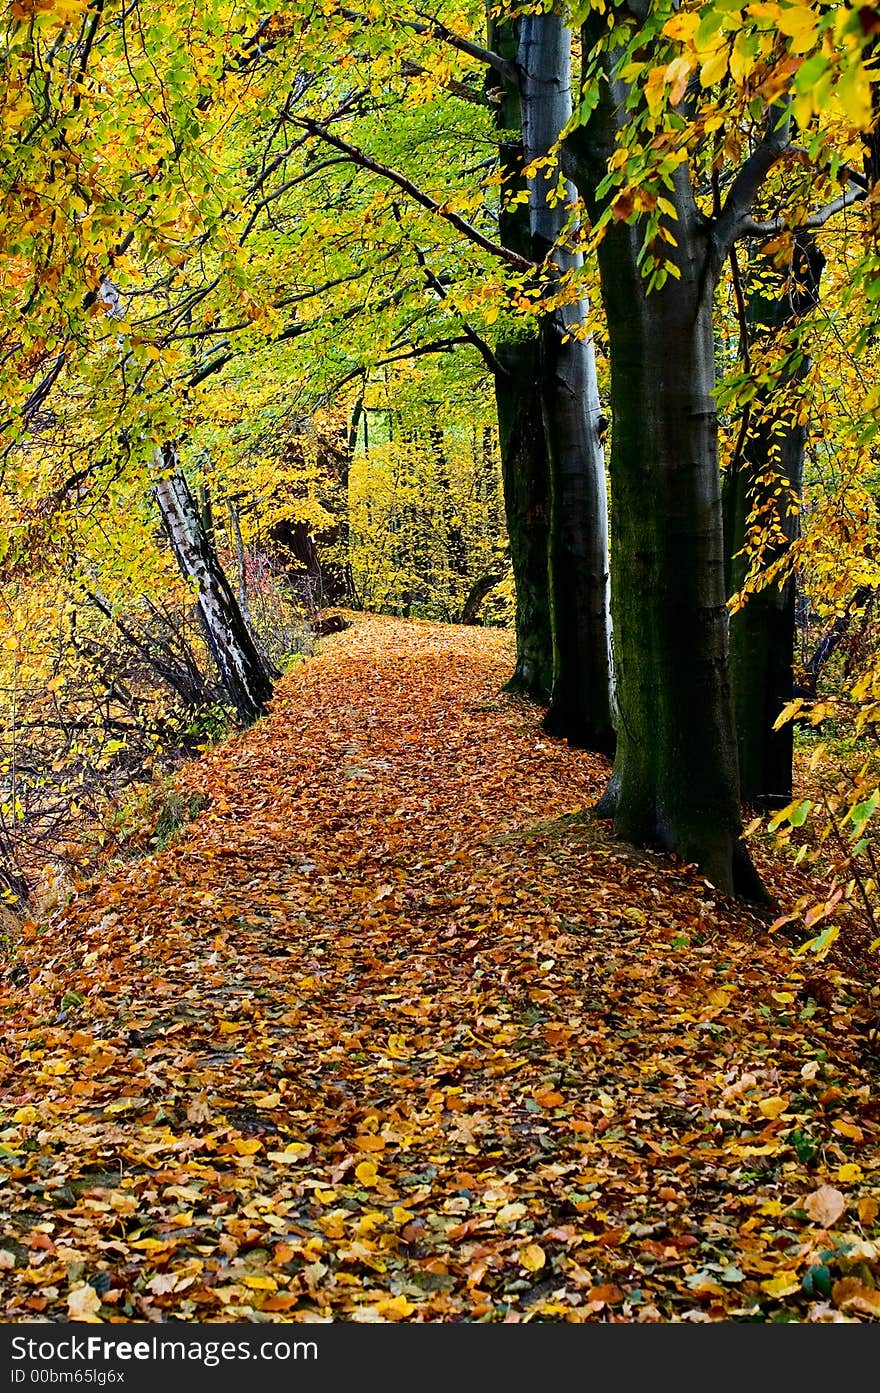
(524, 468)
(527, 509)
(761, 491)
(240, 561)
(243, 673)
(581, 697)
(482, 586)
(675, 780)
(831, 641)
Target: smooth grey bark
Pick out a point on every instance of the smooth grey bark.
(765, 477)
(675, 780)
(581, 699)
(243, 673)
(524, 466)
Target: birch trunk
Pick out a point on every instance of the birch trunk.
(242, 671)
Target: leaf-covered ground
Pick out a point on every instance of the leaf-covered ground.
(394, 1032)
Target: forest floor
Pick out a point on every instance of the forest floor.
(394, 1031)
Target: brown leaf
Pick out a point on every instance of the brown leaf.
(850, 1294)
(607, 1293)
(825, 1206)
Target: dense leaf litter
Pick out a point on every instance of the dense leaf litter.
(395, 1030)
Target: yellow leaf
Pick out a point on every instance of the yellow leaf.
(395, 1307)
(714, 68)
(247, 1147)
(854, 94)
(532, 1257)
(785, 1284)
(367, 1174)
(802, 108)
(260, 1283)
(25, 1114)
(741, 61)
(800, 23)
(682, 26)
(67, 10)
(849, 1129)
(296, 1151)
(772, 1107)
(850, 1173)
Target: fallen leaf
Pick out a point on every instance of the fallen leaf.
(607, 1293)
(83, 1303)
(532, 1257)
(772, 1107)
(395, 1307)
(850, 1294)
(825, 1206)
(783, 1284)
(367, 1173)
(850, 1173)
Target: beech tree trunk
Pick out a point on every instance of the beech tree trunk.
(527, 509)
(581, 696)
(243, 673)
(524, 467)
(762, 632)
(675, 780)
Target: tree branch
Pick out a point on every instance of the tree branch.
(752, 227)
(503, 66)
(359, 157)
(743, 191)
(438, 346)
(495, 366)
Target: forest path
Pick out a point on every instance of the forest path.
(387, 1034)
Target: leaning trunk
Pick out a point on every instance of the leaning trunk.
(581, 700)
(675, 782)
(524, 468)
(243, 673)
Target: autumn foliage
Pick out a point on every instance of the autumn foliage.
(395, 1031)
